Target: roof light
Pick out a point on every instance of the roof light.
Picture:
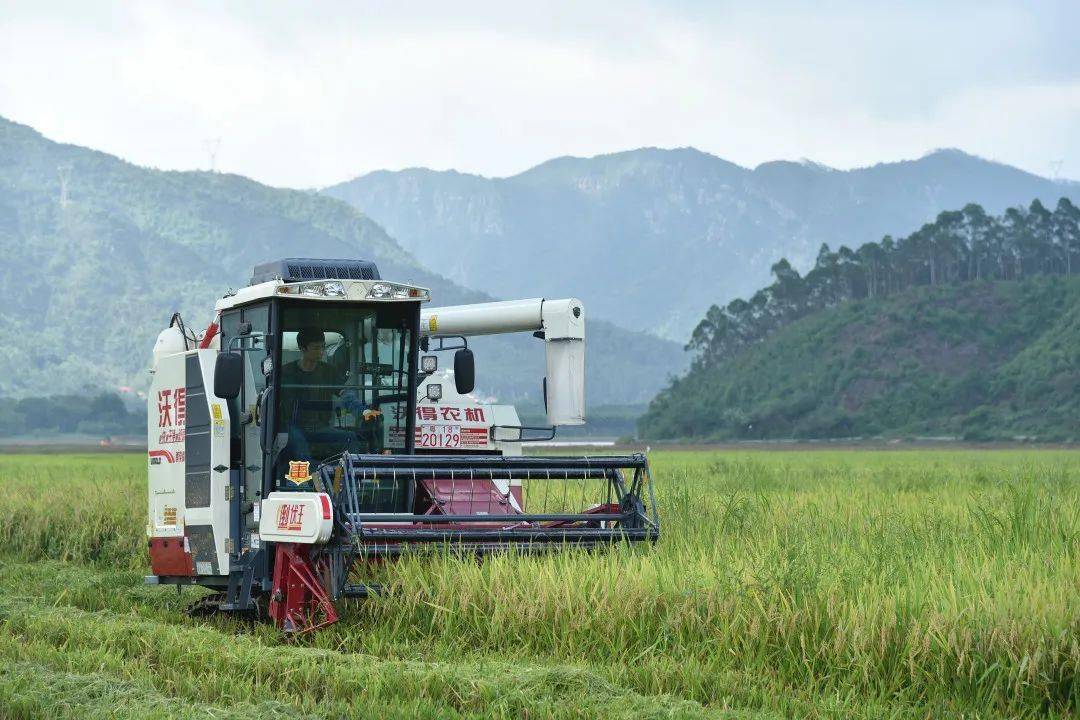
(387, 291)
(331, 288)
(327, 288)
(380, 290)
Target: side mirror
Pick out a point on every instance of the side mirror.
(228, 375)
(464, 371)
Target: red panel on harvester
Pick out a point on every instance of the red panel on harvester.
(168, 558)
(468, 497)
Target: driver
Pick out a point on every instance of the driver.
(309, 370)
(309, 387)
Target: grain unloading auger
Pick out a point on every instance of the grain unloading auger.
(303, 435)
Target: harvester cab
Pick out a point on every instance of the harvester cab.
(310, 429)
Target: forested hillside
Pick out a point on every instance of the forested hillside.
(94, 266)
(968, 327)
(648, 238)
(98, 415)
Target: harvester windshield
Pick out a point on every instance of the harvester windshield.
(344, 380)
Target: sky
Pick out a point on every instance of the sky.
(309, 94)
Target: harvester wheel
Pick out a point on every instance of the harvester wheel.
(207, 605)
(212, 605)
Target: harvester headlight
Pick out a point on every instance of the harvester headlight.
(434, 391)
(429, 363)
(385, 290)
(328, 288)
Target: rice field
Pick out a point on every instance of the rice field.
(826, 584)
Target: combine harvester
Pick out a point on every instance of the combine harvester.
(304, 434)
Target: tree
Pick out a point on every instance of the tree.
(789, 288)
(947, 245)
(1013, 227)
(977, 232)
(1037, 241)
(1065, 228)
(958, 246)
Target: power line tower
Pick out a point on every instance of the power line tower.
(64, 171)
(212, 145)
(1055, 168)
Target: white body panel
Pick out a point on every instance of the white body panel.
(165, 444)
(563, 325)
(483, 318)
(465, 416)
(296, 517)
(475, 421)
(565, 388)
(188, 498)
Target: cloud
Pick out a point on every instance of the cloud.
(311, 96)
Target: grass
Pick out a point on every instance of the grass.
(786, 584)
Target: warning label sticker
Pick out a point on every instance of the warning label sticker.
(218, 419)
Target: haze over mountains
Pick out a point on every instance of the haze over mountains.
(89, 282)
(650, 238)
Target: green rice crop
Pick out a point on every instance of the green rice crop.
(786, 584)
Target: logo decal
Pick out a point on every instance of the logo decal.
(290, 517)
(157, 455)
(172, 407)
(298, 472)
(172, 416)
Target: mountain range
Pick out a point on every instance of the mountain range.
(98, 253)
(650, 238)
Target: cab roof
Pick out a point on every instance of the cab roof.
(378, 291)
(321, 280)
(299, 269)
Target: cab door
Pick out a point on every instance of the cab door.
(246, 330)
